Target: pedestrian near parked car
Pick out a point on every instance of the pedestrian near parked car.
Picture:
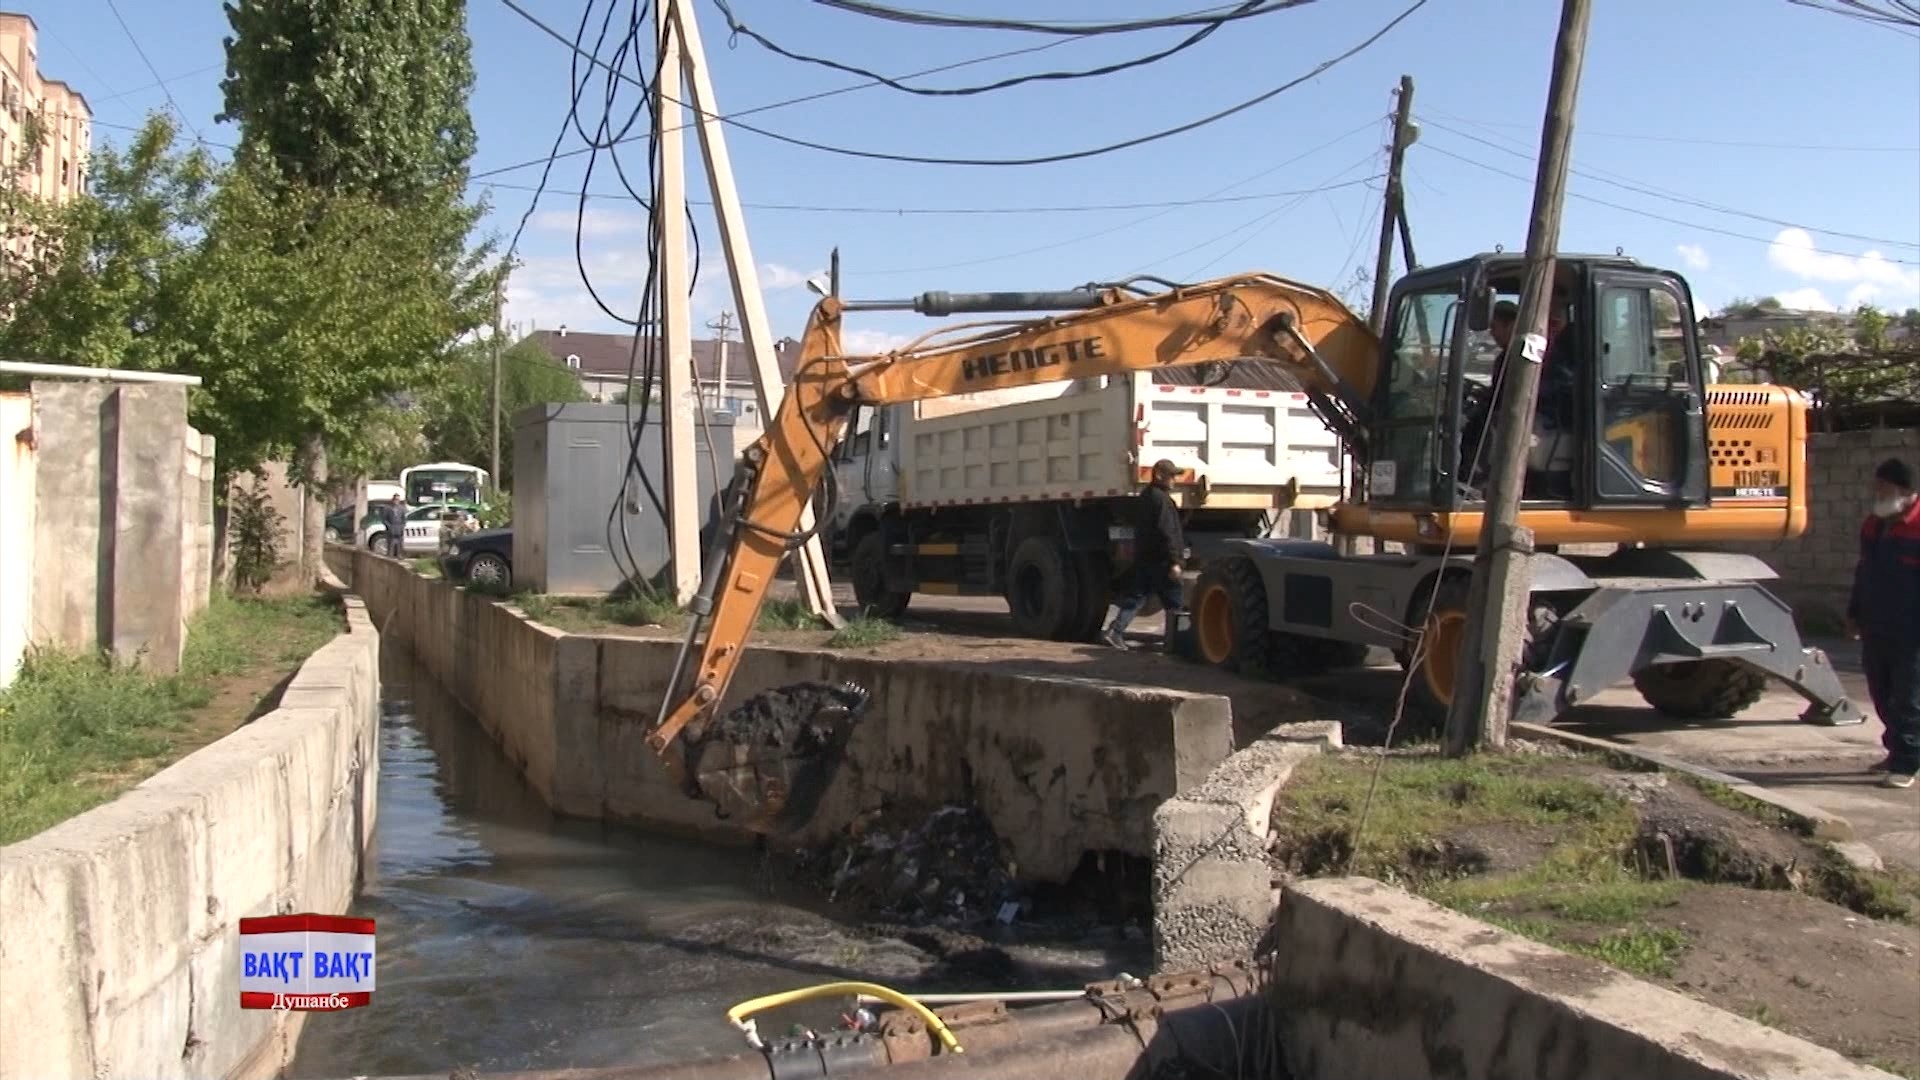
(1158, 544)
(1883, 613)
(394, 514)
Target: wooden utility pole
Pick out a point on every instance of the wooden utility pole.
(495, 476)
(723, 328)
(1391, 215)
(1497, 612)
(810, 561)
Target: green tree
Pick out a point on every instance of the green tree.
(355, 127)
(457, 421)
(101, 283)
(1843, 367)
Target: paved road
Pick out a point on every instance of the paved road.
(1824, 766)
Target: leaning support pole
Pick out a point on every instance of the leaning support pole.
(1497, 603)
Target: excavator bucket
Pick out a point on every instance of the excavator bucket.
(766, 764)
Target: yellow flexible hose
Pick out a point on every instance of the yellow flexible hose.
(739, 1015)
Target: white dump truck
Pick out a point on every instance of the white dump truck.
(1025, 494)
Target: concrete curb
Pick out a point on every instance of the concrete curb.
(1061, 766)
(1212, 884)
(120, 923)
(1823, 825)
(1372, 983)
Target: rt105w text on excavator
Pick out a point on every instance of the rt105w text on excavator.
(1631, 447)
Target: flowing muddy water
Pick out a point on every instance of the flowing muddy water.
(509, 939)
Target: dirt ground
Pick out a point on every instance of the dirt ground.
(979, 633)
(1691, 887)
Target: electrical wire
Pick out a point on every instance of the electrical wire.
(1892, 14)
(962, 211)
(151, 70)
(1639, 212)
(1042, 159)
(780, 104)
(1673, 197)
(1690, 140)
(741, 29)
(1162, 212)
(964, 22)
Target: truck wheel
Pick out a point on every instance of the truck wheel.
(1230, 617)
(1432, 680)
(1701, 689)
(1043, 589)
(870, 590)
(1095, 592)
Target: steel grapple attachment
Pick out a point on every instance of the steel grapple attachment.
(766, 763)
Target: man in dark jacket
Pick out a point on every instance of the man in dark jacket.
(1884, 614)
(1159, 543)
(394, 516)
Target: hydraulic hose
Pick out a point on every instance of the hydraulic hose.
(739, 1015)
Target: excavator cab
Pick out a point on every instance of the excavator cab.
(1620, 418)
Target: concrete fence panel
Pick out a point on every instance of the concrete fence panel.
(120, 949)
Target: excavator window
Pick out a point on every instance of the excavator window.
(1409, 428)
(1647, 394)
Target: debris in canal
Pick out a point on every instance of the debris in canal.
(776, 753)
(946, 867)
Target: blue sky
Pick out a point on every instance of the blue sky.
(1784, 115)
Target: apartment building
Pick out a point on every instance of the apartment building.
(57, 169)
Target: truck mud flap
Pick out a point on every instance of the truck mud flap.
(1623, 629)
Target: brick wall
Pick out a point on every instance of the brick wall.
(1817, 567)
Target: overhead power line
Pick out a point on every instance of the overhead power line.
(1693, 140)
(151, 70)
(964, 22)
(1681, 199)
(742, 29)
(1890, 13)
(1045, 159)
(1639, 212)
(772, 105)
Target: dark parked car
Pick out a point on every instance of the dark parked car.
(483, 557)
(340, 524)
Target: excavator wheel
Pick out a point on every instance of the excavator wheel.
(870, 592)
(1701, 689)
(1043, 589)
(766, 763)
(1432, 679)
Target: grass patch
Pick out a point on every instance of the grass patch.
(641, 610)
(427, 568)
(75, 731)
(1420, 801)
(863, 632)
(1745, 805)
(787, 615)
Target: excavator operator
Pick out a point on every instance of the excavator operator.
(1553, 406)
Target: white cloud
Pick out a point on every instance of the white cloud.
(1694, 256)
(870, 342)
(775, 276)
(1804, 299)
(1871, 277)
(599, 223)
(546, 290)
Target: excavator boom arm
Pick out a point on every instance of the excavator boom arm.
(1331, 351)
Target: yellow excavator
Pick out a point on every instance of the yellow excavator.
(1631, 447)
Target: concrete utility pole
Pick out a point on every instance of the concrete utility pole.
(495, 475)
(676, 332)
(723, 329)
(1497, 612)
(810, 561)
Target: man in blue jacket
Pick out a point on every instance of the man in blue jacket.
(1884, 614)
(1159, 543)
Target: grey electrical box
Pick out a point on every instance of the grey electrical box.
(568, 461)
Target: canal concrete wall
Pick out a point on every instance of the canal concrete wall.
(1061, 767)
(119, 948)
(1372, 983)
